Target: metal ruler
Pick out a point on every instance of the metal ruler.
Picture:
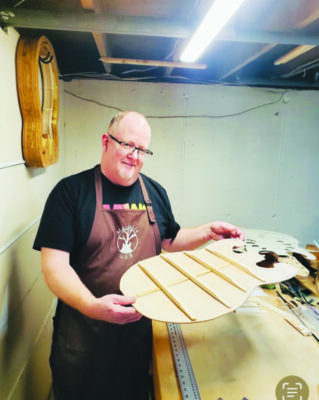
(186, 378)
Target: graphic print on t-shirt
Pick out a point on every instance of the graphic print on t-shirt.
(127, 241)
(127, 206)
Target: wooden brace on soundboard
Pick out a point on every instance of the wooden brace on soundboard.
(199, 285)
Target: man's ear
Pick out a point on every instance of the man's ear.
(105, 141)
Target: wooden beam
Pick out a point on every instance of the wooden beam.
(155, 63)
(179, 47)
(90, 21)
(263, 50)
(99, 23)
(311, 17)
(298, 51)
(88, 4)
(100, 41)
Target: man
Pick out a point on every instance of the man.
(96, 224)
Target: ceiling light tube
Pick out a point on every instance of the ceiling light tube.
(218, 15)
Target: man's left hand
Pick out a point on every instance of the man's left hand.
(224, 230)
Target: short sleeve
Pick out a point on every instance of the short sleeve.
(172, 227)
(56, 226)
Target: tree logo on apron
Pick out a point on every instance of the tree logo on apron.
(127, 241)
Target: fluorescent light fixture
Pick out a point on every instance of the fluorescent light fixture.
(218, 15)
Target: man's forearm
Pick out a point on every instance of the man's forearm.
(191, 238)
(63, 280)
(67, 286)
(188, 239)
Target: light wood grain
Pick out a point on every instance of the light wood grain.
(239, 355)
(39, 100)
(197, 286)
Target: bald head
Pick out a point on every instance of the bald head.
(130, 118)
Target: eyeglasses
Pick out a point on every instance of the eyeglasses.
(130, 148)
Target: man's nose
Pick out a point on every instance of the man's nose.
(134, 154)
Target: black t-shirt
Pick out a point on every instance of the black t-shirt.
(68, 215)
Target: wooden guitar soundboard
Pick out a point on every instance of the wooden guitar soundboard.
(199, 285)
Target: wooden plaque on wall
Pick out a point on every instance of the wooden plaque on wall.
(38, 89)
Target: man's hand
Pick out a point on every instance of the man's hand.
(224, 230)
(66, 285)
(192, 238)
(111, 308)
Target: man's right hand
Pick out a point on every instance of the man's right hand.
(111, 308)
(66, 284)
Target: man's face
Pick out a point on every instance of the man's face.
(118, 164)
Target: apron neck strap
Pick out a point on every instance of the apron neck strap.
(147, 201)
(98, 187)
(151, 216)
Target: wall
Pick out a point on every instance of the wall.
(26, 305)
(244, 155)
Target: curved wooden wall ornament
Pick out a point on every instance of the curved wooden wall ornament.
(38, 88)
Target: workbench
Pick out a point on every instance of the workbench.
(243, 354)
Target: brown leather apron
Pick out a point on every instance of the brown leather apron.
(96, 360)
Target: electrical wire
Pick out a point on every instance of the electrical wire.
(172, 52)
(107, 76)
(220, 116)
(93, 101)
(176, 79)
(302, 68)
(183, 116)
(20, 2)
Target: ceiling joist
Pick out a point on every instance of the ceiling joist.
(155, 63)
(313, 15)
(89, 21)
(99, 38)
(141, 26)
